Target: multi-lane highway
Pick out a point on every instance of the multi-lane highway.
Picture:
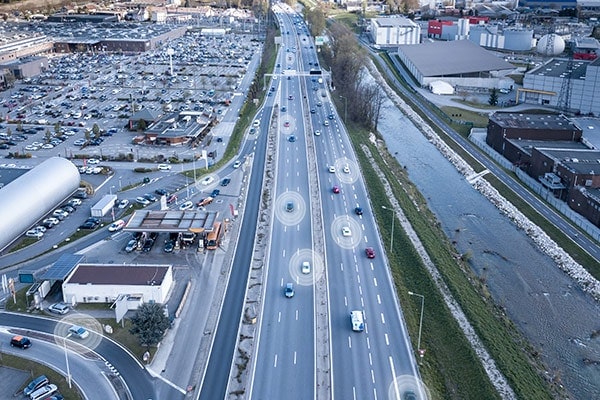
(364, 364)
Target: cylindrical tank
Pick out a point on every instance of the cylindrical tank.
(518, 39)
(31, 196)
(550, 45)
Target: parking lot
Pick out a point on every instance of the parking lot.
(82, 103)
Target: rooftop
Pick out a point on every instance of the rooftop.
(452, 58)
(394, 21)
(118, 274)
(559, 68)
(171, 221)
(578, 161)
(533, 121)
(527, 145)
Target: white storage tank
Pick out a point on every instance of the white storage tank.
(550, 45)
(34, 194)
(518, 39)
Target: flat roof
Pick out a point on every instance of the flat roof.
(171, 221)
(452, 58)
(533, 121)
(559, 68)
(103, 274)
(394, 21)
(527, 145)
(579, 161)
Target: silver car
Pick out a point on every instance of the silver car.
(59, 308)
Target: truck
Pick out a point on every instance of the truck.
(106, 203)
(358, 322)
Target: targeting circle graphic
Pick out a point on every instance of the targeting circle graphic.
(316, 265)
(346, 170)
(404, 385)
(346, 232)
(290, 208)
(290, 128)
(78, 343)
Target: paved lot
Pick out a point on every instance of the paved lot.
(11, 380)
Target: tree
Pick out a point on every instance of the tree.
(493, 97)
(96, 130)
(48, 135)
(149, 324)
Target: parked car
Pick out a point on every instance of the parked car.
(34, 234)
(161, 192)
(188, 205)
(164, 167)
(35, 384)
(169, 246)
(59, 308)
(148, 244)
(142, 200)
(123, 203)
(131, 245)
(79, 332)
(44, 392)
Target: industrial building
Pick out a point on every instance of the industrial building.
(394, 31)
(459, 63)
(568, 85)
(33, 195)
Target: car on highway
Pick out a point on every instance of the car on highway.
(326, 123)
(370, 252)
(346, 232)
(336, 189)
(289, 206)
(208, 180)
(256, 123)
(358, 210)
(116, 226)
(142, 200)
(305, 267)
(346, 169)
(331, 169)
(164, 167)
(312, 111)
(317, 132)
(59, 308)
(289, 290)
(237, 164)
(287, 124)
(188, 205)
(330, 116)
(123, 203)
(292, 138)
(131, 245)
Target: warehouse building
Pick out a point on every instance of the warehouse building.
(394, 31)
(460, 63)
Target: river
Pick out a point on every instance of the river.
(550, 310)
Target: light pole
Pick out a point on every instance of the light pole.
(420, 320)
(393, 218)
(345, 107)
(67, 359)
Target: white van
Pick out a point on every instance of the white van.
(358, 322)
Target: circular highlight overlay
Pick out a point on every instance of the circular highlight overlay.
(291, 125)
(207, 182)
(78, 340)
(290, 208)
(346, 170)
(346, 231)
(404, 385)
(298, 270)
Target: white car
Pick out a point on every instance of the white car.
(163, 167)
(60, 214)
(93, 161)
(142, 200)
(123, 203)
(317, 133)
(78, 331)
(39, 228)
(331, 169)
(75, 202)
(305, 267)
(208, 180)
(346, 169)
(34, 234)
(117, 225)
(346, 232)
(51, 220)
(237, 164)
(188, 205)
(59, 308)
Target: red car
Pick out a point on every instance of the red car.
(370, 252)
(336, 189)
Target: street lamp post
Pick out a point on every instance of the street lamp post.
(345, 107)
(420, 320)
(67, 359)
(393, 218)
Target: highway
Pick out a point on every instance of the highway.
(365, 364)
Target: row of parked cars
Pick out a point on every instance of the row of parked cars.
(41, 388)
(54, 219)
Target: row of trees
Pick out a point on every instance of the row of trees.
(347, 62)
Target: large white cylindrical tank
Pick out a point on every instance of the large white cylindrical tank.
(31, 196)
(518, 39)
(550, 45)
